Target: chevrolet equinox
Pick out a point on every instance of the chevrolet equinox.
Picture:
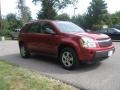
(65, 40)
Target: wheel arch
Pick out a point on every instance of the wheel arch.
(63, 45)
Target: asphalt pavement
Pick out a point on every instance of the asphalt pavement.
(101, 76)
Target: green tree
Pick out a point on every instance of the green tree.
(64, 17)
(9, 23)
(46, 13)
(97, 14)
(4, 27)
(24, 11)
(79, 20)
(115, 18)
(13, 22)
(50, 7)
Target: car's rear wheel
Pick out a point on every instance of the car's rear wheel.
(23, 51)
(68, 58)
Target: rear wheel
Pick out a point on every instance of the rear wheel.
(68, 58)
(23, 51)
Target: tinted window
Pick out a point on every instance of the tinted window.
(46, 26)
(35, 28)
(111, 31)
(103, 31)
(116, 26)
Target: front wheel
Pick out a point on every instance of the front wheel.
(24, 52)
(68, 58)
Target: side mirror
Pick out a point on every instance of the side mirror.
(49, 31)
(88, 30)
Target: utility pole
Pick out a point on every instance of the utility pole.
(75, 10)
(0, 15)
(1, 31)
(74, 6)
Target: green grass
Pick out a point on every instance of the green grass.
(16, 78)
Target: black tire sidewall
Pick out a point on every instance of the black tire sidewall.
(75, 59)
(27, 54)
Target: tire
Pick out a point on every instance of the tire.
(24, 52)
(68, 58)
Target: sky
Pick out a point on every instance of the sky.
(10, 6)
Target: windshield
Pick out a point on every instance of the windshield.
(68, 27)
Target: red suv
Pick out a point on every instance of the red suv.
(65, 40)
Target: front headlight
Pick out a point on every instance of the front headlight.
(87, 42)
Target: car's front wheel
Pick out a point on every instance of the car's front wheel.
(68, 58)
(23, 51)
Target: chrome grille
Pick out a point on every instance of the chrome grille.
(105, 42)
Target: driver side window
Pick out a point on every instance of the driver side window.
(46, 27)
(35, 28)
(112, 31)
(103, 31)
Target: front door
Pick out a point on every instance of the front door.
(49, 41)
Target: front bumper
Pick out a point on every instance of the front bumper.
(100, 55)
(103, 54)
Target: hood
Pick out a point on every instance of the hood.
(92, 35)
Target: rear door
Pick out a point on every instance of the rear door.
(33, 37)
(38, 40)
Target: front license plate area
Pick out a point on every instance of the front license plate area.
(110, 53)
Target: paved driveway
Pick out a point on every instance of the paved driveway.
(102, 76)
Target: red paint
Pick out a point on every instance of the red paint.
(50, 43)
